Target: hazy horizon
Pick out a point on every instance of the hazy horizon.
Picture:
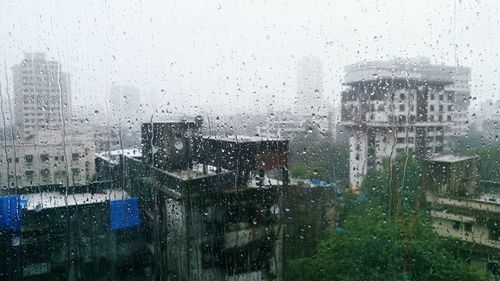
(236, 57)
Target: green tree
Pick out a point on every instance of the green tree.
(387, 236)
(316, 156)
(371, 248)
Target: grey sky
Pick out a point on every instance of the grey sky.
(233, 56)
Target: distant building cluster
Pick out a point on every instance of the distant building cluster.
(312, 110)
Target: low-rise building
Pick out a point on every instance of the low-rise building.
(211, 206)
(86, 233)
(464, 208)
(47, 158)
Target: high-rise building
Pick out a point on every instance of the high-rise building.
(125, 102)
(460, 94)
(309, 86)
(399, 106)
(42, 94)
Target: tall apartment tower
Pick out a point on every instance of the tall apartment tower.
(125, 102)
(42, 94)
(399, 106)
(460, 94)
(309, 86)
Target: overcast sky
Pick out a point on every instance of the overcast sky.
(233, 56)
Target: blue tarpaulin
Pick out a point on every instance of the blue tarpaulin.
(361, 198)
(316, 181)
(124, 213)
(320, 183)
(10, 212)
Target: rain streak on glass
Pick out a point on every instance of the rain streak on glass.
(249, 140)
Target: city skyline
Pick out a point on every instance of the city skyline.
(213, 73)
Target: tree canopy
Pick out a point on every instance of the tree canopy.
(385, 236)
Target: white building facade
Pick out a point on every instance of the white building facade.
(47, 160)
(42, 94)
(410, 106)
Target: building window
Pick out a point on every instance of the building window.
(75, 172)
(45, 173)
(75, 156)
(402, 96)
(494, 231)
(401, 107)
(448, 118)
(431, 107)
(28, 159)
(44, 157)
(456, 225)
(468, 227)
(30, 175)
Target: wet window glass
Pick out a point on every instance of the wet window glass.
(249, 140)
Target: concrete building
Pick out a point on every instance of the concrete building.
(211, 206)
(47, 159)
(488, 117)
(50, 233)
(285, 125)
(464, 208)
(42, 94)
(412, 106)
(458, 96)
(125, 103)
(311, 103)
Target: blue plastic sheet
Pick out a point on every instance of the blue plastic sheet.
(316, 181)
(10, 212)
(124, 213)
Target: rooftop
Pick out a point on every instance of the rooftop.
(196, 172)
(49, 200)
(492, 198)
(416, 69)
(449, 158)
(113, 156)
(242, 139)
